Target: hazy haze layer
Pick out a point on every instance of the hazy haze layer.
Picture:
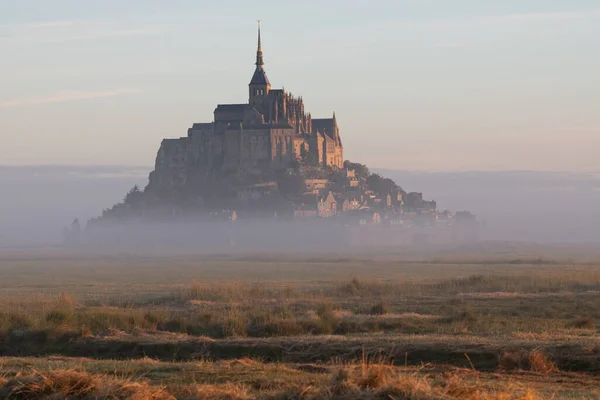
(520, 206)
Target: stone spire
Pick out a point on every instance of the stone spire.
(260, 77)
(259, 54)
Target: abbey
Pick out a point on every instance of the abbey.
(269, 132)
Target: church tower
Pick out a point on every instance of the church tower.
(259, 85)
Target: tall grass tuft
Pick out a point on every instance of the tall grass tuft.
(69, 384)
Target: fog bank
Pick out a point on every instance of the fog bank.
(37, 202)
(541, 207)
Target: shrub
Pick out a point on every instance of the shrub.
(540, 362)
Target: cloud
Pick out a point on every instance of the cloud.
(512, 19)
(499, 20)
(466, 32)
(67, 95)
(462, 31)
(116, 33)
(70, 31)
(550, 16)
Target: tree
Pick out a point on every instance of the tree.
(134, 197)
(380, 185)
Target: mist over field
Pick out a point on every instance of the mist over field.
(545, 207)
(517, 205)
(37, 202)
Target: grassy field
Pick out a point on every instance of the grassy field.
(480, 324)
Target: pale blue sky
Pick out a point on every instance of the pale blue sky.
(416, 84)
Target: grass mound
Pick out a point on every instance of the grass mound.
(380, 381)
(76, 385)
(366, 381)
(534, 360)
(218, 392)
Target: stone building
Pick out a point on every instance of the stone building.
(351, 178)
(316, 185)
(269, 132)
(327, 205)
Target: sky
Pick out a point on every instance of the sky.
(432, 85)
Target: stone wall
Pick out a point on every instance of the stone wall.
(282, 147)
(255, 152)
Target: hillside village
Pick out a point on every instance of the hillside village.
(350, 195)
(347, 196)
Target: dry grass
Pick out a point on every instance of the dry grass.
(534, 360)
(314, 313)
(362, 382)
(375, 382)
(382, 382)
(71, 384)
(218, 392)
(271, 309)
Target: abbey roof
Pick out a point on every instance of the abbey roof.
(260, 77)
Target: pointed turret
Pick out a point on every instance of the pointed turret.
(259, 84)
(336, 131)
